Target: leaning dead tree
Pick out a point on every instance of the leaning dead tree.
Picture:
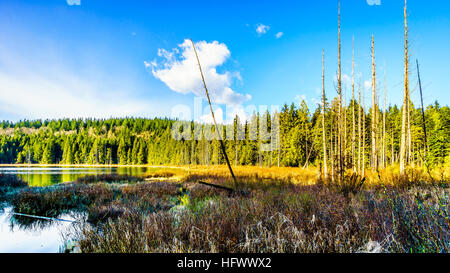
(222, 145)
(425, 141)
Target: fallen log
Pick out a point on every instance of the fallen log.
(229, 190)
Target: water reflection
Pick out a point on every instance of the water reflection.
(21, 235)
(47, 176)
(31, 235)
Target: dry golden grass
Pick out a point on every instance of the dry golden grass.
(250, 174)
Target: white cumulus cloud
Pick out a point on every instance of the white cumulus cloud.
(179, 71)
(262, 29)
(279, 35)
(374, 2)
(73, 2)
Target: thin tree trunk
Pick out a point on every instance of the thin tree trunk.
(353, 109)
(425, 144)
(323, 118)
(344, 110)
(392, 148)
(364, 137)
(359, 129)
(332, 154)
(384, 123)
(405, 100)
(373, 160)
(279, 151)
(222, 145)
(340, 158)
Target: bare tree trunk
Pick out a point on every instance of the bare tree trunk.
(409, 155)
(323, 118)
(340, 157)
(364, 137)
(236, 151)
(405, 100)
(332, 154)
(425, 144)
(359, 129)
(344, 110)
(373, 160)
(353, 109)
(279, 151)
(383, 160)
(222, 145)
(392, 148)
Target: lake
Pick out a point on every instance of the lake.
(47, 176)
(23, 234)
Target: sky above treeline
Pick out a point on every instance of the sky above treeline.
(95, 58)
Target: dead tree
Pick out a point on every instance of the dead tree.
(373, 160)
(425, 141)
(340, 156)
(383, 160)
(323, 118)
(364, 137)
(353, 109)
(405, 109)
(222, 145)
(359, 129)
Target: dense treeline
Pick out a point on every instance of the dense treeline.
(134, 141)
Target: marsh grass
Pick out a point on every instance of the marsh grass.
(9, 185)
(279, 214)
(107, 178)
(285, 219)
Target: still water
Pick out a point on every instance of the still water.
(23, 234)
(47, 176)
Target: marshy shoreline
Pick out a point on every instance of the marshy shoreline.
(287, 210)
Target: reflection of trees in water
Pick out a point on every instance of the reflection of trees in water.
(29, 223)
(43, 178)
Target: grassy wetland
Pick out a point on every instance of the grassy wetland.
(286, 210)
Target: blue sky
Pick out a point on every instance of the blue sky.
(69, 58)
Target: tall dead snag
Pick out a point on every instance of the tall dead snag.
(332, 154)
(222, 145)
(323, 118)
(340, 157)
(373, 160)
(364, 137)
(359, 129)
(344, 144)
(353, 109)
(383, 160)
(405, 108)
